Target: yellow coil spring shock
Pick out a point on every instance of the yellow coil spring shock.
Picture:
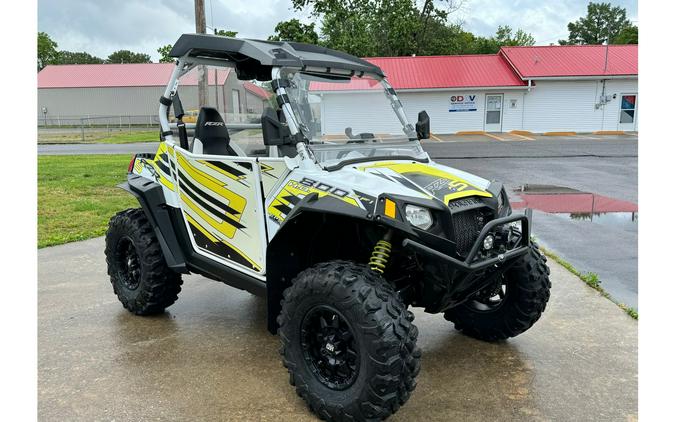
(380, 256)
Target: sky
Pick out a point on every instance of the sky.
(100, 27)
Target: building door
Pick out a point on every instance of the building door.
(493, 112)
(236, 104)
(628, 112)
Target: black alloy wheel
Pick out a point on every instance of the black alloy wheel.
(329, 347)
(491, 298)
(129, 271)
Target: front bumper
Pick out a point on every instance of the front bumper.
(472, 263)
(449, 281)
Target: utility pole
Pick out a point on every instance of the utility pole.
(606, 54)
(200, 26)
(215, 32)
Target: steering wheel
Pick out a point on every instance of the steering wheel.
(358, 138)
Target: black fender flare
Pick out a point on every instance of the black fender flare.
(151, 198)
(283, 260)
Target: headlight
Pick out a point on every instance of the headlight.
(418, 216)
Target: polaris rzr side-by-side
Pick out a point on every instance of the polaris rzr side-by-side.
(341, 232)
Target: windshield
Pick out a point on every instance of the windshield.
(334, 107)
(347, 117)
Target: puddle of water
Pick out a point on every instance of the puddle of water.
(545, 189)
(626, 220)
(577, 205)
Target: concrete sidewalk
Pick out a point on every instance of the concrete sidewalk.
(209, 356)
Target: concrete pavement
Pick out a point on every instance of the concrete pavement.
(608, 168)
(209, 356)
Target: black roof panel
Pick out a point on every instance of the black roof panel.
(253, 54)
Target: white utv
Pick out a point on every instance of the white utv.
(341, 232)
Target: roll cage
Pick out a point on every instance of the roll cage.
(264, 60)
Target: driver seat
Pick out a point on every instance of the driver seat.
(211, 135)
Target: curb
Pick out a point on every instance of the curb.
(609, 132)
(559, 133)
(521, 132)
(470, 132)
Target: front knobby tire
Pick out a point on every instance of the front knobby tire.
(136, 266)
(514, 308)
(348, 342)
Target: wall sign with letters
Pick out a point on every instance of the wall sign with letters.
(463, 103)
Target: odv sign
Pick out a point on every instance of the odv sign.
(463, 103)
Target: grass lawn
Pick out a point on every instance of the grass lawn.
(77, 195)
(99, 137)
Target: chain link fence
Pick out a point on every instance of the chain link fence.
(120, 129)
(85, 129)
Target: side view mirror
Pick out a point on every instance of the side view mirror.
(423, 127)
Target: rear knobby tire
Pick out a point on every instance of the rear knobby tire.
(136, 266)
(383, 334)
(527, 292)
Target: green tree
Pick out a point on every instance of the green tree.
(126, 56)
(602, 23)
(46, 50)
(69, 57)
(506, 37)
(294, 30)
(164, 54)
(377, 27)
(628, 35)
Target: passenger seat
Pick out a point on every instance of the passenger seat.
(211, 135)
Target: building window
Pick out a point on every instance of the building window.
(627, 109)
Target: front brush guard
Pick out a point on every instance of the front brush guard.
(470, 264)
(464, 278)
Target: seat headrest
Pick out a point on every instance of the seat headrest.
(210, 125)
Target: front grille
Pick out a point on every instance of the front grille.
(467, 225)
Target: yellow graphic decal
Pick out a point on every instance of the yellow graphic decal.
(235, 254)
(235, 205)
(444, 185)
(224, 169)
(294, 191)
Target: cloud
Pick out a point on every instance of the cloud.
(101, 27)
(545, 20)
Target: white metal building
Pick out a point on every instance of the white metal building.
(100, 91)
(537, 89)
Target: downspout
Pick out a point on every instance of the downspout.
(522, 114)
(604, 81)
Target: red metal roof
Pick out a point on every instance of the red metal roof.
(447, 71)
(573, 60)
(421, 72)
(117, 75)
(256, 90)
(424, 72)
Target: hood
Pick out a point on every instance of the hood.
(433, 180)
